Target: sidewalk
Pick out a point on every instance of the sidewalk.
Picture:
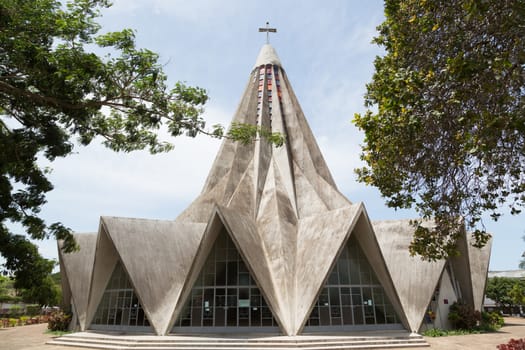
(33, 337)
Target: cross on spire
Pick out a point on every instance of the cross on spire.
(268, 30)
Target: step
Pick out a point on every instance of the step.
(104, 341)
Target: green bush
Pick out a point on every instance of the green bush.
(15, 311)
(463, 316)
(58, 321)
(491, 321)
(23, 319)
(33, 310)
(435, 332)
(13, 322)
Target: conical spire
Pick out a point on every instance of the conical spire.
(275, 189)
(267, 55)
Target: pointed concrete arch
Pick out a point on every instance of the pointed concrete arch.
(106, 258)
(461, 271)
(157, 256)
(415, 280)
(479, 259)
(77, 268)
(367, 239)
(316, 255)
(243, 232)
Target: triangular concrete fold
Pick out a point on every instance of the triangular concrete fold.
(277, 225)
(242, 231)
(79, 266)
(364, 233)
(479, 259)
(320, 239)
(106, 257)
(407, 271)
(303, 143)
(233, 157)
(157, 256)
(461, 274)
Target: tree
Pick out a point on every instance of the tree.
(517, 294)
(448, 136)
(54, 89)
(499, 289)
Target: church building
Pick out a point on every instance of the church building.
(270, 246)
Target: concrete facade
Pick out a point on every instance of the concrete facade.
(289, 225)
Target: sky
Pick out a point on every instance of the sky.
(326, 50)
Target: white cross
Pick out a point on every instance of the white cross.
(268, 30)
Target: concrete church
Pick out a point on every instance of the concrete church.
(269, 246)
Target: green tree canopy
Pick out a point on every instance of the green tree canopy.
(517, 294)
(448, 134)
(499, 289)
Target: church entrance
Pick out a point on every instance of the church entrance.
(225, 297)
(352, 298)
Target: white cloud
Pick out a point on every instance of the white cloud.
(195, 11)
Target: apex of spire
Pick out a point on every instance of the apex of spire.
(267, 55)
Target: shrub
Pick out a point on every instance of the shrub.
(58, 321)
(435, 332)
(463, 316)
(23, 319)
(33, 310)
(491, 321)
(513, 344)
(13, 322)
(15, 311)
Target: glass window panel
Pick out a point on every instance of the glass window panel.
(380, 314)
(358, 315)
(347, 315)
(324, 316)
(232, 306)
(333, 279)
(255, 316)
(346, 299)
(344, 274)
(232, 273)
(334, 296)
(220, 277)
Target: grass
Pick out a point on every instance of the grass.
(436, 332)
(57, 333)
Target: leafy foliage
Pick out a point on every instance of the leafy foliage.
(59, 321)
(513, 344)
(491, 321)
(448, 137)
(463, 316)
(55, 89)
(517, 293)
(437, 332)
(499, 288)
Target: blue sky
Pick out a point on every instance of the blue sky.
(326, 52)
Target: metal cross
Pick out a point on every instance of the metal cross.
(268, 30)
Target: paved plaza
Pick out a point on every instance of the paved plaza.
(34, 337)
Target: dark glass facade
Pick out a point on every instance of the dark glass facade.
(352, 295)
(225, 294)
(119, 307)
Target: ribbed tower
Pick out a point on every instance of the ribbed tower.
(285, 195)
